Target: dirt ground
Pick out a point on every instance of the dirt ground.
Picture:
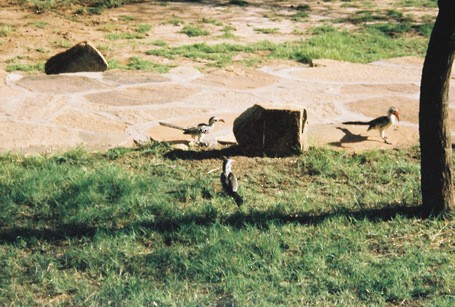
(40, 113)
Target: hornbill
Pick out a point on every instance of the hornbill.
(381, 123)
(229, 181)
(197, 132)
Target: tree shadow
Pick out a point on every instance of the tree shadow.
(239, 219)
(261, 218)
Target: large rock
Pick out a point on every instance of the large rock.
(79, 58)
(271, 130)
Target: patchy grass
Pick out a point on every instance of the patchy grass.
(175, 21)
(137, 63)
(25, 67)
(143, 27)
(126, 35)
(267, 30)
(193, 31)
(151, 227)
(5, 30)
(364, 46)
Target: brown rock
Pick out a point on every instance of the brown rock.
(79, 58)
(271, 130)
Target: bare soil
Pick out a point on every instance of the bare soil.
(40, 113)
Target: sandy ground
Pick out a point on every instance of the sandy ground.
(40, 113)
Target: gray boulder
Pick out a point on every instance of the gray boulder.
(271, 130)
(79, 58)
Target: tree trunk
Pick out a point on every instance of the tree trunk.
(435, 140)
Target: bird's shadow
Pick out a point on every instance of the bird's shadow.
(214, 153)
(350, 138)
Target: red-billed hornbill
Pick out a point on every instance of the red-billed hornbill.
(229, 181)
(381, 123)
(197, 132)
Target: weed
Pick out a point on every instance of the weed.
(159, 43)
(267, 30)
(175, 21)
(25, 67)
(5, 30)
(143, 28)
(125, 35)
(126, 18)
(193, 31)
(62, 43)
(41, 24)
(212, 21)
(136, 63)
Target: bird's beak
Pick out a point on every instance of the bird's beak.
(396, 114)
(221, 120)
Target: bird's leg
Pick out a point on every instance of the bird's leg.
(384, 137)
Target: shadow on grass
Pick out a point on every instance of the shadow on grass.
(178, 154)
(261, 219)
(238, 219)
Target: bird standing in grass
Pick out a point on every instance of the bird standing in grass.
(381, 123)
(229, 181)
(197, 132)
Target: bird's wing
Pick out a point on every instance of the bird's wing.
(379, 122)
(199, 129)
(224, 182)
(233, 183)
(172, 126)
(356, 123)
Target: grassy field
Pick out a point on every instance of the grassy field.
(150, 226)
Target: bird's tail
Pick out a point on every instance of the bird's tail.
(238, 199)
(356, 123)
(172, 126)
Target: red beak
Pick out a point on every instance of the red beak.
(396, 114)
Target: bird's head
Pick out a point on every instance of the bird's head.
(227, 164)
(394, 111)
(215, 119)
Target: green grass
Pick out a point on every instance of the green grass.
(137, 63)
(175, 21)
(143, 28)
(267, 30)
(41, 24)
(364, 46)
(150, 227)
(212, 21)
(417, 3)
(193, 31)
(39, 67)
(5, 30)
(126, 35)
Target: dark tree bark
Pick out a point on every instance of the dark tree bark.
(435, 140)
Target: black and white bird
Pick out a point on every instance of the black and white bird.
(197, 132)
(229, 181)
(381, 123)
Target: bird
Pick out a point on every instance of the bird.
(229, 181)
(381, 123)
(199, 131)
